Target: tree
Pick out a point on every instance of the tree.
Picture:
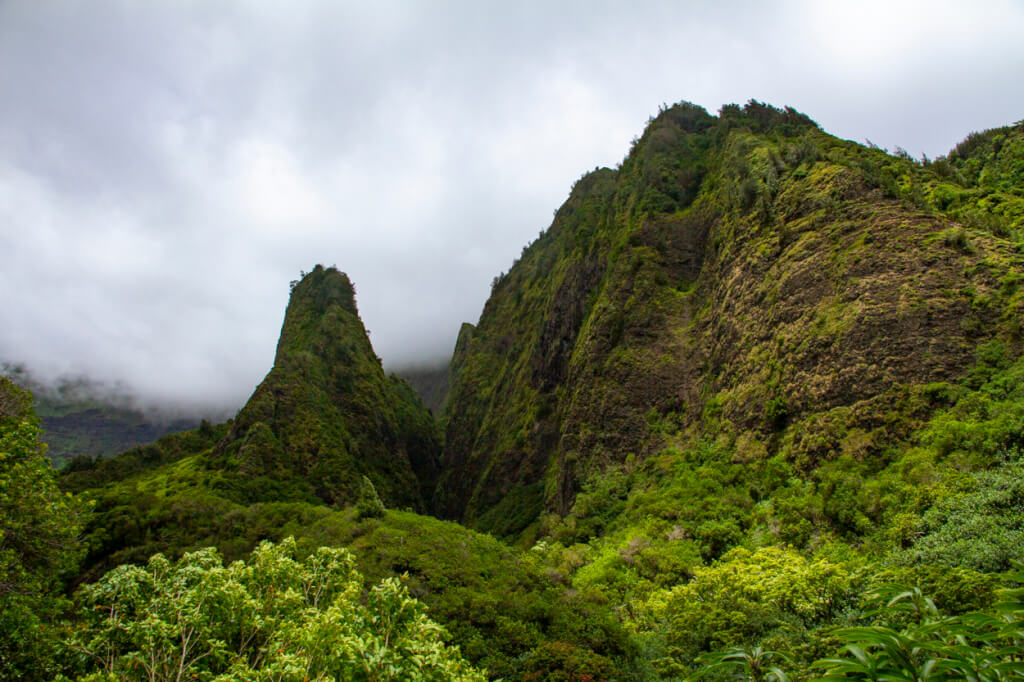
(747, 594)
(273, 618)
(39, 526)
(369, 504)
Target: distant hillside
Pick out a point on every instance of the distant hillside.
(79, 418)
(430, 384)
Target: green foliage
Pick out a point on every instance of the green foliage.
(497, 608)
(326, 415)
(740, 276)
(563, 662)
(747, 596)
(273, 618)
(501, 608)
(369, 505)
(731, 371)
(776, 411)
(753, 664)
(39, 527)
(82, 472)
(979, 183)
(957, 238)
(981, 527)
(977, 646)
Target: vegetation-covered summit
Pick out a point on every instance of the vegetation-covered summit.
(324, 418)
(747, 279)
(327, 414)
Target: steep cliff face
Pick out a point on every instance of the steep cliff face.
(326, 414)
(746, 277)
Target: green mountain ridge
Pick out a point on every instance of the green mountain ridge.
(430, 383)
(749, 277)
(741, 379)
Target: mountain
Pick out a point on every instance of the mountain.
(324, 418)
(745, 278)
(291, 464)
(326, 415)
(430, 383)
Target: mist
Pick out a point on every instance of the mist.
(167, 168)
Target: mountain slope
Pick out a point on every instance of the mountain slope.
(741, 379)
(324, 417)
(326, 414)
(746, 277)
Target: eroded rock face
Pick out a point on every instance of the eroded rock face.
(562, 322)
(741, 275)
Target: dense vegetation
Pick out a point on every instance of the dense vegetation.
(38, 529)
(274, 618)
(326, 414)
(752, 408)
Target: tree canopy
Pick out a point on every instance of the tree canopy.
(275, 617)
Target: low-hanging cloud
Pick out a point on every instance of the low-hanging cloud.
(167, 168)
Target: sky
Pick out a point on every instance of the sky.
(168, 167)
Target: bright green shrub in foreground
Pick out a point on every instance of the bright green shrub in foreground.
(273, 618)
(979, 646)
(747, 596)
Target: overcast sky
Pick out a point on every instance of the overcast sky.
(166, 168)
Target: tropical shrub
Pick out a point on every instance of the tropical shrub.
(273, 618)
(980, 646)
(747, 596)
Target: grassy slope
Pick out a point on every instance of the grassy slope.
(501, 608)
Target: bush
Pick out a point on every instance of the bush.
(273, 618)
(369, 505)
(745, 596)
